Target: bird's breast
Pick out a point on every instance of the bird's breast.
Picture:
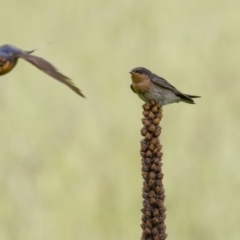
(7, 67)
(141, 86)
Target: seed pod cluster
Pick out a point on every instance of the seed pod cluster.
(153, 192)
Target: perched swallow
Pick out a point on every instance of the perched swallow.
(148, 86)
(9, 56)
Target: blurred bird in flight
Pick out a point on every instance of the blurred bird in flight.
(148, 86)
(9, 56)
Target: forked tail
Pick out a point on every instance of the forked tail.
(187, 98)
(29, 52)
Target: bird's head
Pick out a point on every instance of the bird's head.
(140, 73)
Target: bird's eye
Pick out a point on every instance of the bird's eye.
(140, 71)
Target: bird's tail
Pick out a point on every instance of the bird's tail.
(193, 96)
(43, 46)
(187, 98)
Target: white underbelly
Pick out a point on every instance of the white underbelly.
(163, 96)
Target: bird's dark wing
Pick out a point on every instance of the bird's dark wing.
(165, 84)
(162, 82)
(49, 69)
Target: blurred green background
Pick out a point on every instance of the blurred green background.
(70, 168)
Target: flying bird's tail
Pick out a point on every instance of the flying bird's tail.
(35, 49)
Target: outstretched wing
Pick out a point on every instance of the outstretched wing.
(49, 69)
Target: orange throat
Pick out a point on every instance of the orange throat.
(140, 83)
(7, 67)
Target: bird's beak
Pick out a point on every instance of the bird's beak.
(131, 72)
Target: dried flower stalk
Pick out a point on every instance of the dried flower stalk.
(153, 192)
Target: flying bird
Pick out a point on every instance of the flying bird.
(149, 86)
(9, 56)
